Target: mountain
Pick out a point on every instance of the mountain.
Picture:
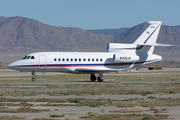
(130, 35)
(20, 36)
(19, 32)
(177, 26)
(113, 31)
(108, 31)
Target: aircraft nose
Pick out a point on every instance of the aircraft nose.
(13, 65)
(10, 66)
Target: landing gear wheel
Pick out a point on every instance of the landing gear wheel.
(93, 77)
(100, 80)
(100, 77)
(33, 76)
(33, 79)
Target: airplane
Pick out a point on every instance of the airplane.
(120, 57)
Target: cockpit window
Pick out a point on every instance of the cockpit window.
(24, 57)
(32, 57)
(28, 57)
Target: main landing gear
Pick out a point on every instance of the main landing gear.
(100, 77)
(33, 76)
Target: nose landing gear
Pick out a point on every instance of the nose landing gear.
(33, 76)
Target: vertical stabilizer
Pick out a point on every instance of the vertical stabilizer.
(144, 44)
(149, 36)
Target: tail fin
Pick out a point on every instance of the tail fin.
(150, 35)
(145, 43)
(148, 38)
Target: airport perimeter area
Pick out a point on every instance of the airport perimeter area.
(138, 94)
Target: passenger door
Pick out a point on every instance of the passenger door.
(42, 62)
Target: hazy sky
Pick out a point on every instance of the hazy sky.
(94, 14)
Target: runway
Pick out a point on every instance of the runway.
(4, 72)
(13, 73)
(120, 93)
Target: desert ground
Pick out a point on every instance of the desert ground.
(132, 95)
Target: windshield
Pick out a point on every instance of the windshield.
(24, 57)
(28, 57)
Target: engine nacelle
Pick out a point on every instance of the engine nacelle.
(125, 58)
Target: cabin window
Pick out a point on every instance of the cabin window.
(67, 59)
(89, 59)
(97, 59)
(101, 60)
(93, 59)
(54, 59)
(63, 59)
(84, 59)
(71, 59)
(59, 59)
(75, 59)
(32, 57)
(79, 59)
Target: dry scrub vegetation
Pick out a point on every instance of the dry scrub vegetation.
(137, 96)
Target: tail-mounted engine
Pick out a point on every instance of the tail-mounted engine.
(125, 58)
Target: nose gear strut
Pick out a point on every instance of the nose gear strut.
(33, 76)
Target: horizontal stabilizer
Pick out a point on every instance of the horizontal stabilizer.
(154, 44)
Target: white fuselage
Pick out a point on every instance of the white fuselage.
(70, 61)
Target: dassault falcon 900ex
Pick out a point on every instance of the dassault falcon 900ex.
(119, 57)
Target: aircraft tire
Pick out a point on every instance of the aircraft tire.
(99, 79)
(33, 79)
(93, 78)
